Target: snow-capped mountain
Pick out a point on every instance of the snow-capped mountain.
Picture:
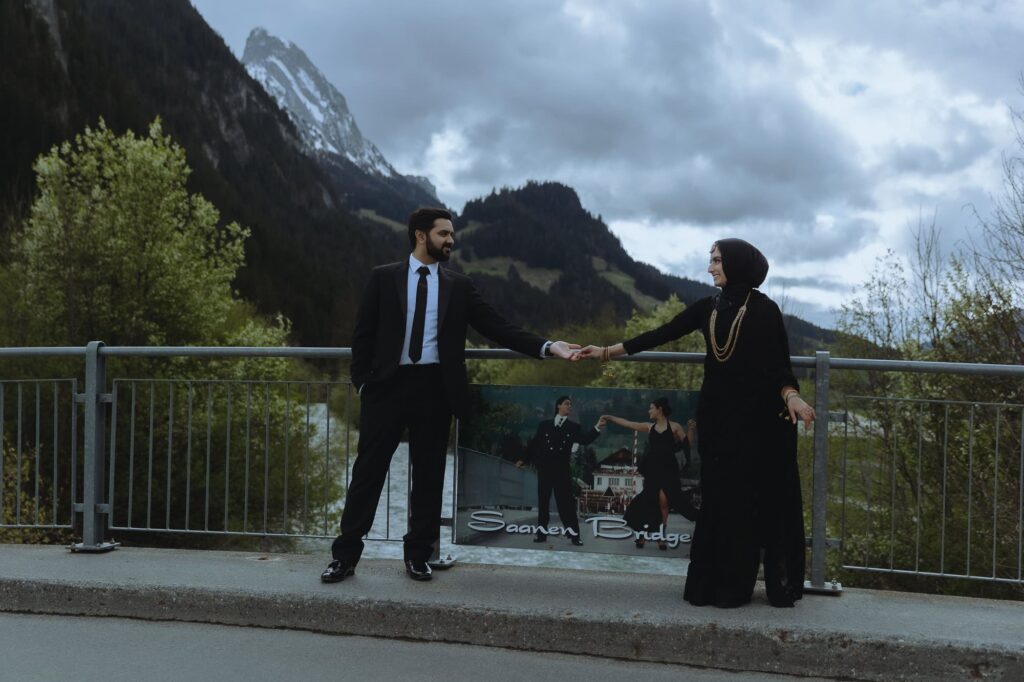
(318, 110)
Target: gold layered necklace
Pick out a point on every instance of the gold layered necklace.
(724, 352)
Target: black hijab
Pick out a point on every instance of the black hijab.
(745, 268)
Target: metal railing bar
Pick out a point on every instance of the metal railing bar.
(1020, 502)
(945, 478)
(287, 442)
(227, 464)
(149, 470)
(892, 499)
(240, 382)
(327, 454)
(933, 401)
(30, 526)
(209, 439)
(113, 449)
(348, 427)
(266, 456)
(17, 470)
(931, 574)
(188, 456)
(970, 486)
(131, 457)
(42, 352)
(38, 449)
(170, 446)
(56, 451)
(73, 408)
(248, 442)
(254, 534)
(225, 352)
(995, 494)
(920, 445)
(846, 439)
(305, 470)
(3, 449)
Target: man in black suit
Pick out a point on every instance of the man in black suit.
(551, 450)
(409, 366)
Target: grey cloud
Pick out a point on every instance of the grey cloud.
(966, 143)
(538, 97)
(808, 283)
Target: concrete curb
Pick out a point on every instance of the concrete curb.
(727, 646)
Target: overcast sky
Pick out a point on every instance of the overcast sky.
(819, 131)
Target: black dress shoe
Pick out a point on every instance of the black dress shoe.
(540, 537)
(337, 571)
(417, 570)
(575, 539)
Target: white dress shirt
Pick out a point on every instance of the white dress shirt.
(430, 354)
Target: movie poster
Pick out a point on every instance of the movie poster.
(623, 488)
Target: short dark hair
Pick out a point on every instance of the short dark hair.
(662, 404)
(561, 399)
(423, 219)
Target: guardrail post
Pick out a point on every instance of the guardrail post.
(819, 500)
(95, 513)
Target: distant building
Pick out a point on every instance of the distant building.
(617, 473)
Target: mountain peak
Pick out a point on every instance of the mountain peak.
(319, 111)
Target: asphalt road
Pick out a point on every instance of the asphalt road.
(57, 648)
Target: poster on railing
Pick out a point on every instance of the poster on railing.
(605, 470)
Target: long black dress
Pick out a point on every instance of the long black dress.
(751, 487)
(660, 470)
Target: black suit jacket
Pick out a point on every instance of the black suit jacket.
(380, 329)
(551, 447)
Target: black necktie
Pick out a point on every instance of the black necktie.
(419, 316)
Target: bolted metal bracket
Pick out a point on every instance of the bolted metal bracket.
(100, 397)
(82, 548)
(442, 564)
(830, 543)
(833, 588)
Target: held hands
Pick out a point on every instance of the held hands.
(590, 353)
(564, 350)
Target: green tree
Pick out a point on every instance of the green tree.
(115, 247)
(656, 374)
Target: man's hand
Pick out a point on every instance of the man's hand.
(520, 464)
(564, 350)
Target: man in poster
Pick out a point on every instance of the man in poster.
(550, 451)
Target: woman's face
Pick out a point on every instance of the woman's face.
(715, 268)
(652, 411)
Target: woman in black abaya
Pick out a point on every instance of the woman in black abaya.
(751, 508)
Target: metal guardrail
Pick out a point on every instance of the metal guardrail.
(107, 481)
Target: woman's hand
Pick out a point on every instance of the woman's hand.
(799, 409)
(590, 353)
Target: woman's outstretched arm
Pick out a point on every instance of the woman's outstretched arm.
(643, 427)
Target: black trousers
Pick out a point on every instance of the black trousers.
(561, 485)
(413, 399)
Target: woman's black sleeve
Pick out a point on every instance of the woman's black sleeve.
(685, 322)
(777, 368)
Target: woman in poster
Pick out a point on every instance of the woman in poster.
(647, 513)
(748, 408)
